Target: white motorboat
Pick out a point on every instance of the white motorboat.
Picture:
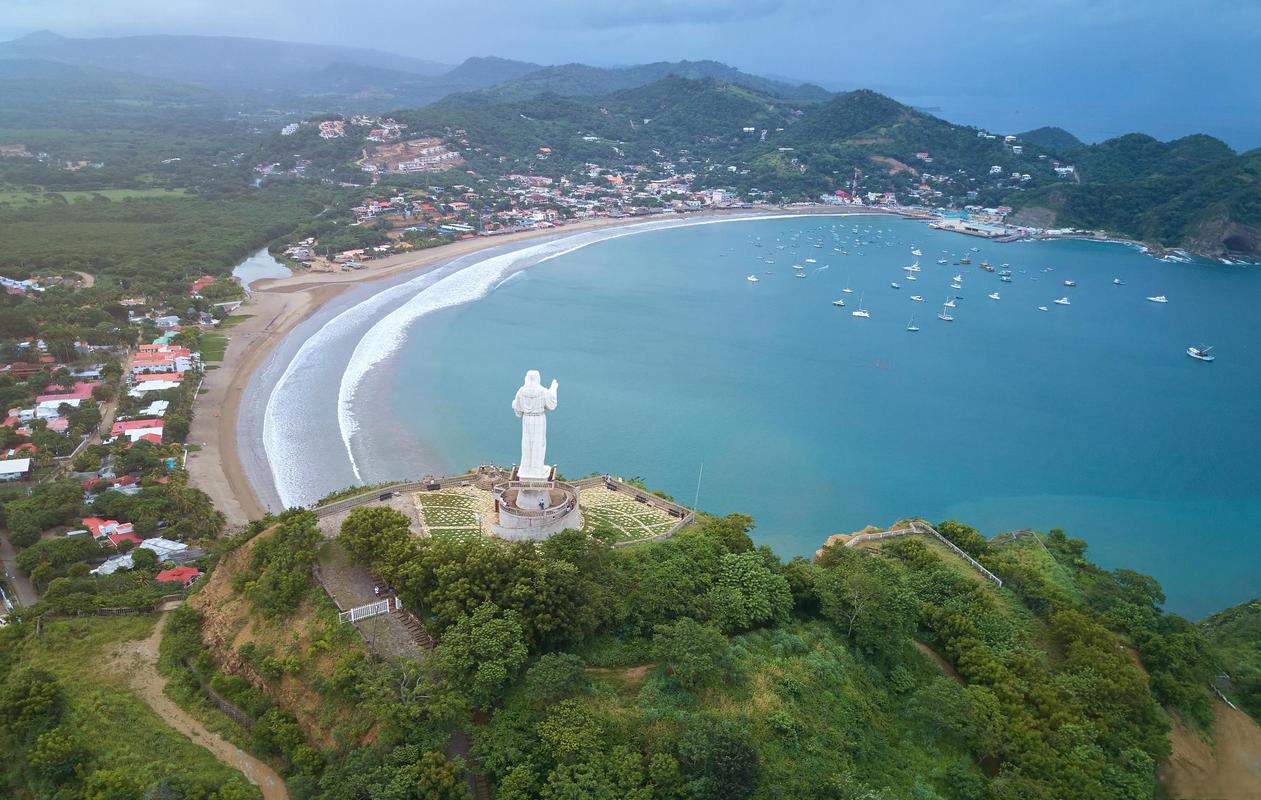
(811, 261)
(1070, 284)
(798, 266)
(752, 279)
(799, 275)
(847, 290)
(1160, 298)
(994, 296)
(894, 285)
(942, 261)
(1118, 282)
(917, 298)
(1043, 308)
(1200, 354)
(1005, 278)
(916, 252)
(956, 286)
(1063, 301)
(839, 303)
(958, 278)
(911, 277)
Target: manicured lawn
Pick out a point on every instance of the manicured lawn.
(213, 347)
(234, 320)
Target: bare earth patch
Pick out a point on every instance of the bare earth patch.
(1228, 769)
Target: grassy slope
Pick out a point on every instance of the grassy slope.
(119, 728)
(1236, 637)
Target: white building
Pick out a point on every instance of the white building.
(15, 469)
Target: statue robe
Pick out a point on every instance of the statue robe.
(532, 404)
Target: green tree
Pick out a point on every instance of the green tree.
(370, 531)
(555, 676)
(439, 778)
(749, 593)
(693, 653)
(481, 653)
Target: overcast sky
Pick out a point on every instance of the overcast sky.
(1097, 67)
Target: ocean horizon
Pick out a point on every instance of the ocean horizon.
(813, 421)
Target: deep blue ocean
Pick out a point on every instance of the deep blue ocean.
(1088, 417)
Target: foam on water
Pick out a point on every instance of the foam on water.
(464, 286)
(285, 442)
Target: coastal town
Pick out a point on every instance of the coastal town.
(377, 427)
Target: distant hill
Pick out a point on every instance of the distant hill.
(221, 62)
(1054, 139)
(576, 80)
(1191, 192)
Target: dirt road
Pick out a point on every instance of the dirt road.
(1228, 769)
(138, 661)
(21, 585)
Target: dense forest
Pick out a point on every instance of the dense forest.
(701, 667)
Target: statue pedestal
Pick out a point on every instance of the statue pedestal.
(536, 510)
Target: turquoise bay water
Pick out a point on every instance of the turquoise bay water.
(1088, 417)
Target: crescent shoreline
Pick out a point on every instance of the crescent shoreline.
(227, 439)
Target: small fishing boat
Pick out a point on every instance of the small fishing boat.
(839, 302)
(894, 285)
(943, 316)
(1043, 308)
(1200, 354)
(752, 279)
(917, 298)
(1118, 282)
(994, 296)
(911, 326)
(1160, 298)
(1070, 284)
(985, 265)
(1063, 301)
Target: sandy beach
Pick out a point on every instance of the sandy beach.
(276, 306)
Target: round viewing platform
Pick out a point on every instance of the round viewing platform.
(534, 509)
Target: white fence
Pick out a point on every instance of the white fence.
(371, 610)
(927, 530)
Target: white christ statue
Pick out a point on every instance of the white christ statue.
(532, 404)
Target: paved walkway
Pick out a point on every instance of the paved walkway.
(138, 661)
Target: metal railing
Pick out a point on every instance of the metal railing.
(925, 529)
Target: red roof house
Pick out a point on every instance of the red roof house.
(183, 575)
(113, 530)
(201, 283)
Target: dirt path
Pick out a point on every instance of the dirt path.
(945, 666)
(89, 280)
(138, 661)
(1229, 769)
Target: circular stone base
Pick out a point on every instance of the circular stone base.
(536, 510)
